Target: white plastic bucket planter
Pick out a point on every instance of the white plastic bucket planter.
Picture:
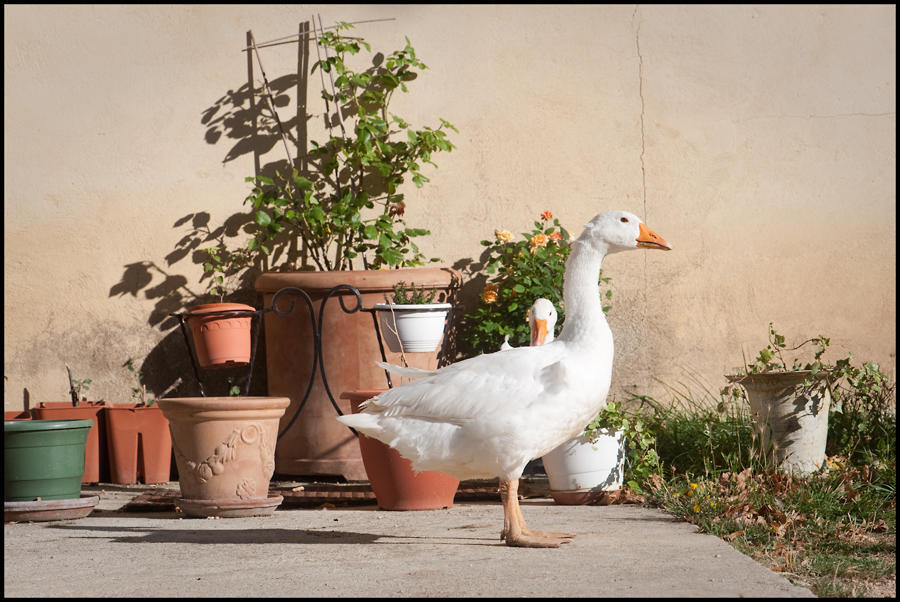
(578, 470)
(791, 420)
(419, 327)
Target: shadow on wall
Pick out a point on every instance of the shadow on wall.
(244, 118)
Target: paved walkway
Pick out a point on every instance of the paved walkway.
(620, 550)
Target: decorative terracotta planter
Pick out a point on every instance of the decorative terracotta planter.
(139, 444)
(43, 459)
(580, 471)
(225, 452)
(314, 442)
(96, 464)
(791, 421)
(220, 341)
(396, 485)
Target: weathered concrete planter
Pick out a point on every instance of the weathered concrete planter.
(791, 420)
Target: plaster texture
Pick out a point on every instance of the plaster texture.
(759, 140)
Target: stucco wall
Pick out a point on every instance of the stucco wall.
(758, 140)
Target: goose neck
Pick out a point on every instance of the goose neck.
(581, 292)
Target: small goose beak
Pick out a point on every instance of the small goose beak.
(538, 332)
(648, 239)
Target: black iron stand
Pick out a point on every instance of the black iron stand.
(292, 293)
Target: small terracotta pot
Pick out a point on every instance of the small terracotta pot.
(96, 464)
(396, 485)
(139, 444)
(225, 453)
(222, 340)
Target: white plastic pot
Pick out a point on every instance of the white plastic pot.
(419, 327)
(578, 469)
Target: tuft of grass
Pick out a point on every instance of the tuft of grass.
(833, 531)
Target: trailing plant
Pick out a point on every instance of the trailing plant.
(347, 206)
(412, 295)
(850, 384)
(521, 271)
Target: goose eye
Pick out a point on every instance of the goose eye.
(624, 220)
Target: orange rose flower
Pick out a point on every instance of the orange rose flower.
(557, 236)
(546, 215)
(489, 294)
(502, 235)
(538, 240)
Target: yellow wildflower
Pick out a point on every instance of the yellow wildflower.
(696, 508)
(502, 235)
(676, 494)
(693, 485)
(690, 493)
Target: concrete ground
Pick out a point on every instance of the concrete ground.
(620, 550)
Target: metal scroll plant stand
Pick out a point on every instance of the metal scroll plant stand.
(292, 293)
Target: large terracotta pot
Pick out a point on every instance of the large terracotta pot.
(314, 442)
(139, 444)
(221, 340)
(96, 464)
(225, 452)
(395, 484)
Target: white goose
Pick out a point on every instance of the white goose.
(487, 416)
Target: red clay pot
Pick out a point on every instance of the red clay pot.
(139, 443)
(96, 465)
(396, 485)
(220, 341)
(16, 415)
(315, 443)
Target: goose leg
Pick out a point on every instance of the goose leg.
(514, 530)
(551, 534)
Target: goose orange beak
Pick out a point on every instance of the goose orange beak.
(538, 332)
(648, 239)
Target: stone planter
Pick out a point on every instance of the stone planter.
(791, 420)
(225, 453)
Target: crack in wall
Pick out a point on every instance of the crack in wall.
(637, 42)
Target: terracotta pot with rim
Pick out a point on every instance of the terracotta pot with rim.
(220, 341)
(225, 453)
(395, 484)
(96, 463)
(139, 444)
(315, 442)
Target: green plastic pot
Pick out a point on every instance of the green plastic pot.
(43, 459)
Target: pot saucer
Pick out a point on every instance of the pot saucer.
(44, 510)
(229, 508)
